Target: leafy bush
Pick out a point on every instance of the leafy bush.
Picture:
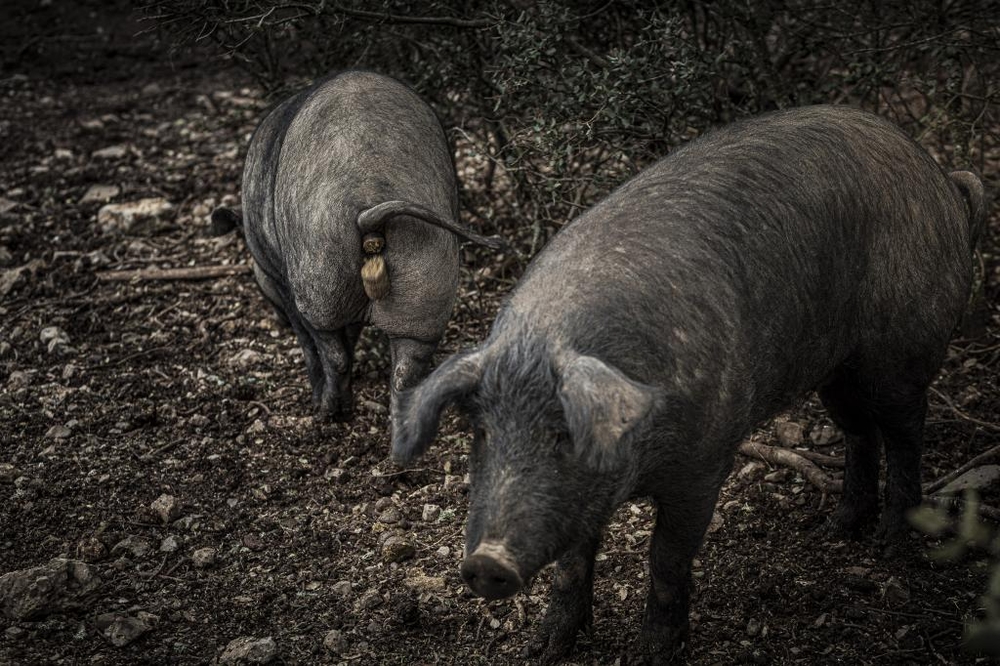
(968, 534)
(570, 98)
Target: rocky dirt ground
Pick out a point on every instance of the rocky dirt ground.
(157, 433)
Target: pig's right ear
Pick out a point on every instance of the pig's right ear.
(225, 220)
(416, 414)
(602, 407)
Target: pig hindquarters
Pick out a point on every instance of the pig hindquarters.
(350, 206)
(810, 248)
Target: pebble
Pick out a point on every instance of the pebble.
(137, 546)
(53, 337)
(335, 474)
(7, 472)
(430, 513)
(334, 641)
(424, 583)
(249, 650)
(342, 589)
(895, 593)
(203, 558)
(716, 523)
(111, 152)
(372, 598)
(397, 549)
(45, 589)
(390, 516)
(58, 432)
(245, 358)
(169, 544)
(91, 549)
(120, 630)
(789, 433)
(825, 435)
(167, 507)
(138, 217)
(100, 194)
(374, 407)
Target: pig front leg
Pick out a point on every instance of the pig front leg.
(681, 521)
(571, 603)
(411, 362)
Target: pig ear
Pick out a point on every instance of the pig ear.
(417, 411)
(602, 406)
(225, 220)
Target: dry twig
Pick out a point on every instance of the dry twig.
(185, 273)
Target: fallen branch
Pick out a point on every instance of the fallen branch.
(426, 20)
(788, 458)
(186, 273)
(989, 456)
(820, 458)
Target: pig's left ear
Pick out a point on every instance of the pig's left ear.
(416, 413)
(602, 406)
(225, 220)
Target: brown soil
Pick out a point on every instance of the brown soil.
(192, 389)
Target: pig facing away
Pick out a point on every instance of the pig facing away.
(351, 210)
(812, 248)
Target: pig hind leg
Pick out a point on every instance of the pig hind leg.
(850, 411)
(570, 604)
(336, 358)
(901, 423)
(884, 404)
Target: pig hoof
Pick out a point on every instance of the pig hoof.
(547, 648)
(895, 534)
(847, 524)
(336, 414)
(556, 638)
(658, 654)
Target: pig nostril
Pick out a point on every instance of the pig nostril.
(489, 577)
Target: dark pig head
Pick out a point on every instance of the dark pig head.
(549, 458)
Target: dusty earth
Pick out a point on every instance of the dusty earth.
(190, 389)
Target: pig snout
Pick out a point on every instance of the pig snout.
(490, 572)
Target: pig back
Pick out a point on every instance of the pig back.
(749, 263)
(356, 140)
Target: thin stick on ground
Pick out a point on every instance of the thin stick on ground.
(185, 273)
(962, 415)
(820, 458)
(984, 458)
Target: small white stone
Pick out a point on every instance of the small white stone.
(167, 507)
(111, 152)
(169, 544)
(203, 558)
(100, 193)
